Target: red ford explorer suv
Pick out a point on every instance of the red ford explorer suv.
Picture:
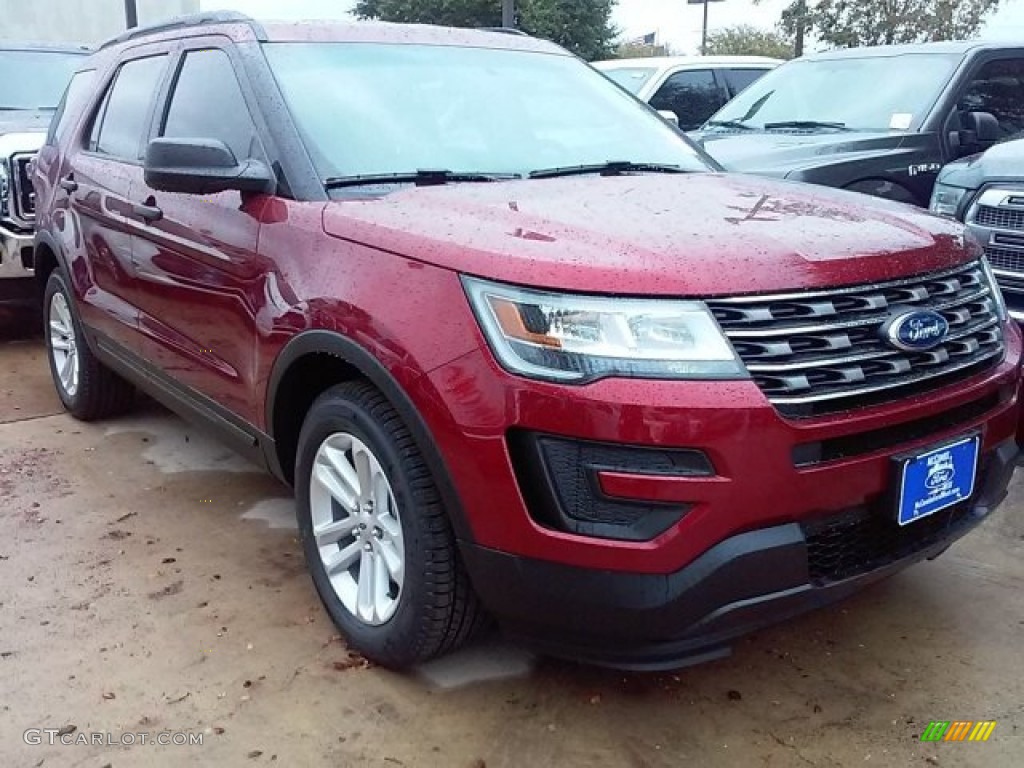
(520, 348)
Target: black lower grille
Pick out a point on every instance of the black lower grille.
(861, 540)
(558, 479)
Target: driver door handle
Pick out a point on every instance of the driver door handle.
(147, 212)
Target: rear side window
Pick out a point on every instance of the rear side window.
(121, 122)
(75, 97)
(739, 79)
(208, 104)
(694, 95)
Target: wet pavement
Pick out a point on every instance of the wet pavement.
(151, 581)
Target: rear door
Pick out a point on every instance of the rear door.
(693, 94)
(200, 279)
(97, 180)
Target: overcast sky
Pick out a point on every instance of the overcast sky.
(675, 21)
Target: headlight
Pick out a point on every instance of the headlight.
(946, 200)
(997, 293)
(574, 338)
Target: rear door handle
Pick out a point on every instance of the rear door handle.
(147, 212)
(68, 184)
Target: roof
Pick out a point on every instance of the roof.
(241, 28)
(665, 62)
(952, 48)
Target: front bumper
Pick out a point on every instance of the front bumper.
(746, 582)
(16, 274)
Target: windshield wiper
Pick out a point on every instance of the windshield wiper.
(611, 168)
(808, 124)
(421, 178)
(737, 124)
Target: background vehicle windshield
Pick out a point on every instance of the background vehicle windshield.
(34, 79)
(630, 78)
(879, 93)
(381, 108)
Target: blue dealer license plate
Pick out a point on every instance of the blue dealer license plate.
(938, 479)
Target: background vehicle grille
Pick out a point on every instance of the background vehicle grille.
(1004, 258)
(23, 198)
(1000, 218)
(821, 352)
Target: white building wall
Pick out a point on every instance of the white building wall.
(79, 21)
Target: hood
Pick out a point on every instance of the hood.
(25, 121)
(12, 142)
(1003, 162)
(778, 154)
(696, 235)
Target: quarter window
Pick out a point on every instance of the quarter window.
(121, 121)
(999, 90)
(694, 95)
(208, 104)
(75, 96)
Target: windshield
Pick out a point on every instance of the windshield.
(881, 93)
(630, 78)
(370, 109)
(35, 79)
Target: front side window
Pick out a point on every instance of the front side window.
(208, 104)
(694, 95)
(75, 97)
(999, 90)
(367, 109)
(873, 93)
(32, 80)
(121, 122)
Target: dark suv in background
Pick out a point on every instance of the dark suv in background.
(514, 342)
(877, 120)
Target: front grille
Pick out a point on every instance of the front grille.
(860, 541)
(821, 352)
(23, 197)
(1000, 218)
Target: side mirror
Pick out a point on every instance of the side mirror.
(669, 116)
(202, 167)
(979, 131)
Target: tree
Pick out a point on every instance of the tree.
(851, 23)
(582, 26)
(745, 40)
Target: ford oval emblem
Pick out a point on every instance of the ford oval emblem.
(915, 330)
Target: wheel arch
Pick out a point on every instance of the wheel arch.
(312, 362)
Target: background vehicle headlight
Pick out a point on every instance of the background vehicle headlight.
(946, 200)
(572, 338)
(997, 293)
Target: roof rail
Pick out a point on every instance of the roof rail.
(505, 31)
(186, 22)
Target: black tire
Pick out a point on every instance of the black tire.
(437, 609)
(100, 392)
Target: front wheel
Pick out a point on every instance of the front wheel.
(376, 536)
(86, 387)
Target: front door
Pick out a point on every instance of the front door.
(198, 273)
